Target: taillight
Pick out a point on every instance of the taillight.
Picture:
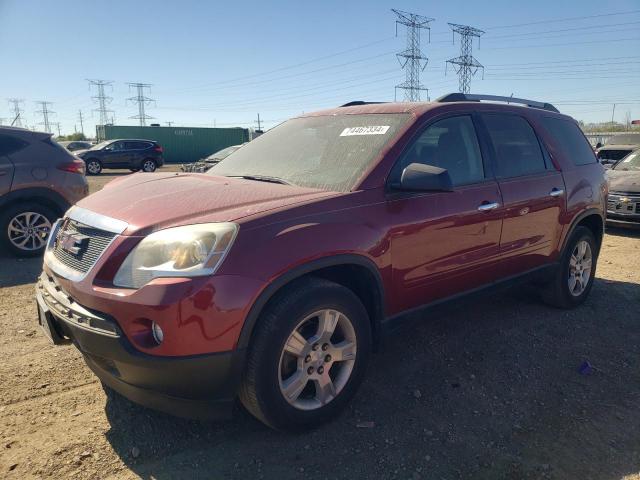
(76, 166)
(158, 149)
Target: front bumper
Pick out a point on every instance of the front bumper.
(197, 386)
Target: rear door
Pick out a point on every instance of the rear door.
(533, 193)
(444, 242)
(8, 145)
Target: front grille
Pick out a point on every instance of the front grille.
(97, 242)
(625, 204)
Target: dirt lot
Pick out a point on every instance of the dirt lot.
(488, 390)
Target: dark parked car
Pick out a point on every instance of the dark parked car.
(618, 147)
(39, 181)
(623, 206)
(145, 155)
(75, 146)
(272, 276)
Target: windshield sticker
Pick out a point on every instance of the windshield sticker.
(371, 130)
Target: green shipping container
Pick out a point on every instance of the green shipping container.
(180, 144)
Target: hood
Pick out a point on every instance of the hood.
(152, 201)
(621, 181)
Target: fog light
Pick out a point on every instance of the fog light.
(158, 335)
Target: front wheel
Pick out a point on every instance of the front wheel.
(94, 167)
(307, 357)
(574, 277)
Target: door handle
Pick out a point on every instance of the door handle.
(556, 192)
(486, 206)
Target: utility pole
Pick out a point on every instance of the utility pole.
(45, 112)
(57, 124)
(411, 57)
(169, 123)
(259, 123)
(465, 65)
(141, 100)
(17, 112)
(81, 122)
(102, 99)
(613, 113)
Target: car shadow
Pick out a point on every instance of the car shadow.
(18, 271)
(624, 232)
(505, 387)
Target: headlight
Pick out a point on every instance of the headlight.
(189, 251)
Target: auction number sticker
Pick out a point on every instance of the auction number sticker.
(371, 130)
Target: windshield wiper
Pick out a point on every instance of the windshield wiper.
(262, 178)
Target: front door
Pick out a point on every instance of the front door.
(445, 242)
(532, 192)
(114, 155)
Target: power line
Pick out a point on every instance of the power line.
(142, 101)
(102, 99)
(566, 19)
(466, 65)
(17, 111)
(412, 55)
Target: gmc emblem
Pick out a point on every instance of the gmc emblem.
(70, 242)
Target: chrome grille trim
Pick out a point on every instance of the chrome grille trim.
(100, 229)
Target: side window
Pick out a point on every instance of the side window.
(450, 143)
(515, 144)
(131, 145)
(9, 144)
(116, 146)
(570, 140)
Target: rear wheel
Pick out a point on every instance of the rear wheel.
(574, 278)
(307, 357)
(94, 166)
(149, 165)
(25, 228)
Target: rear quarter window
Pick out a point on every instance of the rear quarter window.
(570, 140)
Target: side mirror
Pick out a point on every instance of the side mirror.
(421, 177)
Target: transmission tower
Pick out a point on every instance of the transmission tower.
(17, 111)
(411, 57)
(102, 99)
(81, 121)
(45, 112)
(141, 100)
(465, 65)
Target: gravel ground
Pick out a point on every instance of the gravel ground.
(489, 389)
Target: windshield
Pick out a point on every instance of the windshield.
(224, 153)
(101, 145)
(326, 152)
(630, 162)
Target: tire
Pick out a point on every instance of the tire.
(265, 379)
(32, 219)
(562, 291)
(149, 165)
(94, 166)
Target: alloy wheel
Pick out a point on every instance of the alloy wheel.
(317, 359)
(93, 167)
(580, 268)
(149, 166)
(29, 231)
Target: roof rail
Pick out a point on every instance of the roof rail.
(359, 102)
(471, 97)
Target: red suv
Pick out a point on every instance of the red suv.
(271, 277)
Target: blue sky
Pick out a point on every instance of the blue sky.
(224, 62)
